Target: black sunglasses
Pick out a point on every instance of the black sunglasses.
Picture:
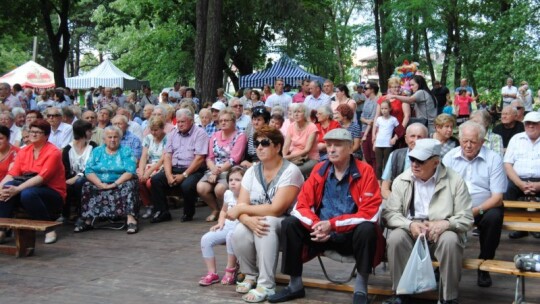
(265, 143)
(419, 162)
(367, 88)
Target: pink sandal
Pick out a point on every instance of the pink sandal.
(230, 276)
(209, 279)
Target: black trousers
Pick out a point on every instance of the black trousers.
(490, 226)
(188, 188)
(361, 243)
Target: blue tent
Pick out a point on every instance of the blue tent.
(284, 68)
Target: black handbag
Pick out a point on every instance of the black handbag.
(23, 178)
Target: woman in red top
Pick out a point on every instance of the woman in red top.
(324, 124)
(267, 91)
(7, 152)
(462, 103)
(35, 182)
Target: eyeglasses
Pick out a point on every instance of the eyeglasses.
(34, 132)
(53, 115)
(225, 120)
(366, 88)
(265, 143)
(520, 108)
(419, 162)
(237, 106)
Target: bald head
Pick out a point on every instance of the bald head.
(414, 132)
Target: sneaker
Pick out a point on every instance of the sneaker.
(476, 232)
(526, 264)
(209, 279)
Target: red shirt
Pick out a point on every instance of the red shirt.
(322, 131)
(462, 102)
(48, 165)
(299, 97)
(8, 159)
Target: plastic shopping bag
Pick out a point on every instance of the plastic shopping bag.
(418, 275)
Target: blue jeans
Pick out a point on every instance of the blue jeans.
(41, 203)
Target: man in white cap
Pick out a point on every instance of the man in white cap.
(213, 127)
(428, 199)
(337, 209)
(522, 164)
(483, 172)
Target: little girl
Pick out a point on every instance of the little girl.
(385, 138)
(222, 233)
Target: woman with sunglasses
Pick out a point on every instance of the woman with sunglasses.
(259, 118)
(225, 150)
(268, 192)
(35, 181)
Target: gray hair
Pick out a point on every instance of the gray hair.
(48, 110)
(184, 112)
(418, 125)
(279, 110)
(306, 109)
(163, 111)
(317, 83)
(512, 109)
(326, 110)
(240, 101)
(8, 114)
(122, 118)
(483, 115)
(474, 126)
(5, 85)
(148, 106)
(18, 110)
(113, 129)
(517, 103)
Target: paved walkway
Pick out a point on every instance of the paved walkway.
(162, 264)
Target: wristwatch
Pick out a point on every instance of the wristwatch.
(185, 174)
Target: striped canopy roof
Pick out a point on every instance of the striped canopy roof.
(106, 75)
(284, 68)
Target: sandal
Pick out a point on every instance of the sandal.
(212, 217)
(81, 226)
(132, 228)
(230, 276)
(258, 294)
(245, 286)
(209, 279)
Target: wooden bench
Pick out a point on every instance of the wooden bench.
(509, 268)
(517, 218)
(25, 235)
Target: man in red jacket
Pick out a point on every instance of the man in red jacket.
(337, 209)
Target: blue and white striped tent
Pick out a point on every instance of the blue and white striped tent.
(284, 68)
(106, 75)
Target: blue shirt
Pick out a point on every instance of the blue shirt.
(484, 175)
(211, 128)
(134, 143)
(337, 199)
(388, 168)
(109, 168)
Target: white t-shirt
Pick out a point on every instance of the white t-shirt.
(230, 200)
(283, 100)
(291, 176)
(509, 90)
(242, 123)
(385, 131)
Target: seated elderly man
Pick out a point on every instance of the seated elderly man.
(483, 172)
(336, 209)
(522, 165)
(97, 133)
(398, 161)
(509, 125)
(61, 132)
(183, 167)
(428, 199)
(128, 139)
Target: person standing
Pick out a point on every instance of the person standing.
(442, 95)
(367, 118)
(279, 98)
(509, 92)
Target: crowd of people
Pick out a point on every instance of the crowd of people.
(302, 173)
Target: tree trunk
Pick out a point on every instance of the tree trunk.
(200, 43)
(428, 56)
(415, 40)
(384, 63)
(457, 45)
(62, 36)
(211, 66)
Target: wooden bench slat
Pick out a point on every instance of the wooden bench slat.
(505, 267)
(521, 204)
(470, 264)
(520, 226)
(521, 216)
(11, 223)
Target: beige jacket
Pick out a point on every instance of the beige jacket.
(451, 201)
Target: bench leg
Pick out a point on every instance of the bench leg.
(520, 290)
(25, 242)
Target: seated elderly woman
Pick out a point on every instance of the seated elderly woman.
(444, 132)
(225, 150)
(324, 124)
(300, 145)
(267, 194)
(344, 115)
(74, 157)
(33, 182)
(111, 190)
